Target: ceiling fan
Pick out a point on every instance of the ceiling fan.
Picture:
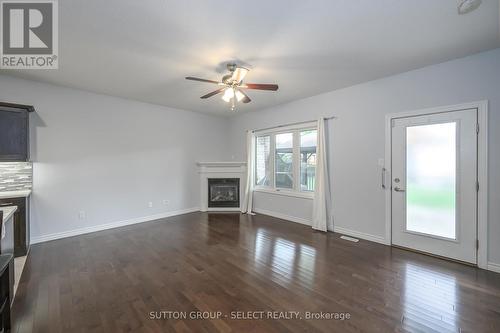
(232, 85)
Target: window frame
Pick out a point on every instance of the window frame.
(295, 191)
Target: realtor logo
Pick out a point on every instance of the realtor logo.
(29, 32)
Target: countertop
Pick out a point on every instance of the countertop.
(8, 212)
(15, 194)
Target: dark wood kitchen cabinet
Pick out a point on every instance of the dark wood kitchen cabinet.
(6, 289)
(21, 224)
(14, 132)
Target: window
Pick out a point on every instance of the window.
(308, 142)
(286, 160)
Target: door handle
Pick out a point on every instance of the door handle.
(383, 178)
(397, 189)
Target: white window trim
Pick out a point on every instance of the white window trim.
(295, 191)
(285, 129)
(285, 192)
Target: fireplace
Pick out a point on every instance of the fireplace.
(223, 178)
(223, 192)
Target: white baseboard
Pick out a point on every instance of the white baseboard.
(100, 227)
(283, 216)
(494, 267)
(362, 235)
(353, 233)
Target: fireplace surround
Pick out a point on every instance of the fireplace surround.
(225, 178)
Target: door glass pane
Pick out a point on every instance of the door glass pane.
(431, 177)
(308, 140)
(284, 160)
(262, 153)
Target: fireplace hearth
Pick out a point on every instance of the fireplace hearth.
(223, 192)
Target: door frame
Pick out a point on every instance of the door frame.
(482, 170)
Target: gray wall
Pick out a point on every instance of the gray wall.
(357, 137)
(110, 156)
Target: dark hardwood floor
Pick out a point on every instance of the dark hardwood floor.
(201, 264)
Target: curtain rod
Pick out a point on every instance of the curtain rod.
(291, 124)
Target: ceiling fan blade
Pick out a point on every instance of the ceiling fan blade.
(245, 99)
(260, 86)
(218, 91)
(201, 80)
(239, 74)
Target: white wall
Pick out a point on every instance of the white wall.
(357, 140)
(110, 156)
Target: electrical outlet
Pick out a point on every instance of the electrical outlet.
(150, 204)
(82, 215)
(166, 202)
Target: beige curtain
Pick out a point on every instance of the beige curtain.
(247, 206)
(320, 216)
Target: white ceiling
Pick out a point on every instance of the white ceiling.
(143, 49)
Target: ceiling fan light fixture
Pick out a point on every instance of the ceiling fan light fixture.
(239, 95)
(228, 95)
(467, 6)
(239, 74)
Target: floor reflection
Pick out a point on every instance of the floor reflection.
(430, 301)
(307, 261)
(263, 247)
(284, 259)
(287, 261)
(215, 220)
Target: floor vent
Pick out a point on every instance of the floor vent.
(350, 239)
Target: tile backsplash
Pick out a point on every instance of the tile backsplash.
(16, 176)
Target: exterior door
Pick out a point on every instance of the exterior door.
(434, 184)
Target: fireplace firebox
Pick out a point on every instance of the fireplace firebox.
(223, 192)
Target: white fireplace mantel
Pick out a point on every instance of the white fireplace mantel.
(220, 170)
